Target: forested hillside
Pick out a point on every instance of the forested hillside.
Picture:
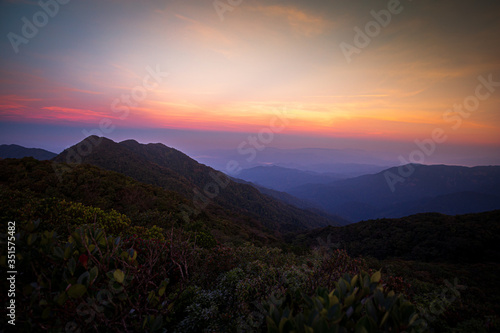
(170, 169)
(429, 237)
(99, 250)
(27, 184)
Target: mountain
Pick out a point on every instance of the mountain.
(283, 179)
(416, 255)
(30, 190)
(203, 186)
(347, 162)
(16, 151)
(430, 188)
(428, 237)
(291, 200)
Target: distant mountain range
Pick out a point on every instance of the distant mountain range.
(283, 179)
(16, 151)
(344, 162)
(285, 199)
(436, 188)
(294, 201)
(172, 170)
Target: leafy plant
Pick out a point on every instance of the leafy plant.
(357, 304)
(91, 281)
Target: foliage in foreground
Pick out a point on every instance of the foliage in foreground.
(148, 279)
(91, 281)
(357, 304)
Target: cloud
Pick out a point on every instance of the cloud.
(299, 21)
(84, 91)
(72, 114)
(15, 102)
(203, 34)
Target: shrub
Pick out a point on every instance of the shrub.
(153, 232)
(332, 265)
(357, 304)
(63, 216)
(91, 282)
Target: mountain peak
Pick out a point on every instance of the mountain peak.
(203, 186)
(17, 151)
(131, 141)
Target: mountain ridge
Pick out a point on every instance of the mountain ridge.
(24, 182)
(371, 196)
(17, 151)
(282, 179)
(171, 169)
(428, 237)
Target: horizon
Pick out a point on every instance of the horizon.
(398, 79)
(222, 156)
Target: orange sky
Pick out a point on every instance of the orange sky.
(233, 71)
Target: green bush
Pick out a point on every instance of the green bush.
(154, 280)
(64, 216)
(91, 282)
(357, 304)
(153, 232)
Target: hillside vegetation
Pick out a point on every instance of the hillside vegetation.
(172, 170)
(27, 185)
(428, 237)
(98, 250)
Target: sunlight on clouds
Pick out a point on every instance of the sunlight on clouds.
(201, 34)
(15, 102)
(234, 74)
(56, 114)
(301, 22)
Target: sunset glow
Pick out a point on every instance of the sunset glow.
(233, 71)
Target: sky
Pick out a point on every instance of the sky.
(194, 75)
